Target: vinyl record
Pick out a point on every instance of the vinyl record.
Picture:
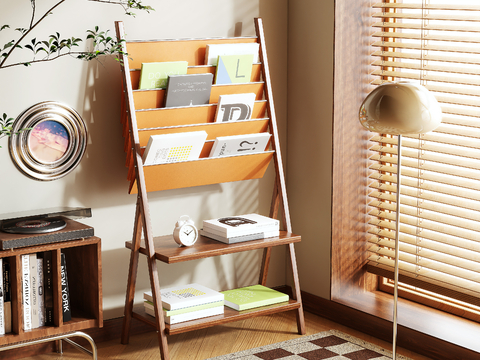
(34, 226)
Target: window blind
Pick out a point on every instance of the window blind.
(435, 43)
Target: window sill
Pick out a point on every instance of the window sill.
(419, 318)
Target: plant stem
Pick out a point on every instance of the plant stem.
(29, 30)
(45, 60)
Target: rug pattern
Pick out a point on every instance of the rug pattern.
(332, 345)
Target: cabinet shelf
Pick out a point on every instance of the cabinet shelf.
(83, 259)
(168, 251)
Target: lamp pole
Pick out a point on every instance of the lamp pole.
(397, 246)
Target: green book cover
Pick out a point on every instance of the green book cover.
(186, 310)
(234, 69)
(253, 296)
(154, 75)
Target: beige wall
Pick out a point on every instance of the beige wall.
(310, 103)
(93, 89)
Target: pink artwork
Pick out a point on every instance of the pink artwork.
(48, 141)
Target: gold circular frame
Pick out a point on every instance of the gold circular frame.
(64, 148)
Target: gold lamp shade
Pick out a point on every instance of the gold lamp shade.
(400, 108)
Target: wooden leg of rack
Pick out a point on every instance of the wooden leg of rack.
(155, 285)
(264, 267)
(132, 277)
(296, 291)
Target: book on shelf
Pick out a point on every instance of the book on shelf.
(240, 144)
(67, 313)
(40, 292)
(26, 298)
(2, 301)
(154, 75)
(7, 295)
(48, 287)
(242, 225)
(184, 296)
(233, 69)
(233, 107)
(251, 297)
(233, 239)
(212, 51)
(192, 315)
(168, 148)
(34, 290)
(188, 90)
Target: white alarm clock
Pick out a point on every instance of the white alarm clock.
(185, 232)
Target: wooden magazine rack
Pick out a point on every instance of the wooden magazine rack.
(143, 115)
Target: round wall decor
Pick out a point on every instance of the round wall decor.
(54, 144)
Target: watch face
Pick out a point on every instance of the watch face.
(188, 234)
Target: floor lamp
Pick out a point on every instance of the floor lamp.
(399, 108)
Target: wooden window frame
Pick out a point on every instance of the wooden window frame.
(351, 285)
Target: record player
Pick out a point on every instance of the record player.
(43, 226)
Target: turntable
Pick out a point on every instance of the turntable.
(43, 226)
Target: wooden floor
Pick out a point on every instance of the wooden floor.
(219, 340)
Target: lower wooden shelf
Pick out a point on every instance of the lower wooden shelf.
(229, 315)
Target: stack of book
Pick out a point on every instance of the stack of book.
(186, 302)
(236, 229)
(251, 297)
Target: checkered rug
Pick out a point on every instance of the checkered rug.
(333, 345)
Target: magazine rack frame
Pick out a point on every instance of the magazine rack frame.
(142, 115)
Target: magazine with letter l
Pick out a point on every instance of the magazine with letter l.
(212, 51)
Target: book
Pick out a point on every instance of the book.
(187, 309)
(184, 296)
(40, 292)
(7, 296)
(48, 287)
(252, 297)
(191, 315)
(34, 290)
(188, 90)
(154, 75)
(233, 69)
(67, 313)
(168, 148)
(212, 51)
(2, 300)
(26, 299)
(233, 239)
(242, 225)
(233, 107)
(240, 144)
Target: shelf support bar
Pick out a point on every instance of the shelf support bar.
(132, 275)
(64, 337)
(142, 201)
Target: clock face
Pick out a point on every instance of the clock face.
(188, 234)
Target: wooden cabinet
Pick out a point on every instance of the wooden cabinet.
(84, 269)
(143, 115)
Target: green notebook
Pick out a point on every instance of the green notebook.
(154, 75)
(252, 296)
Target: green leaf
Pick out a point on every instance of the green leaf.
(4, 27)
